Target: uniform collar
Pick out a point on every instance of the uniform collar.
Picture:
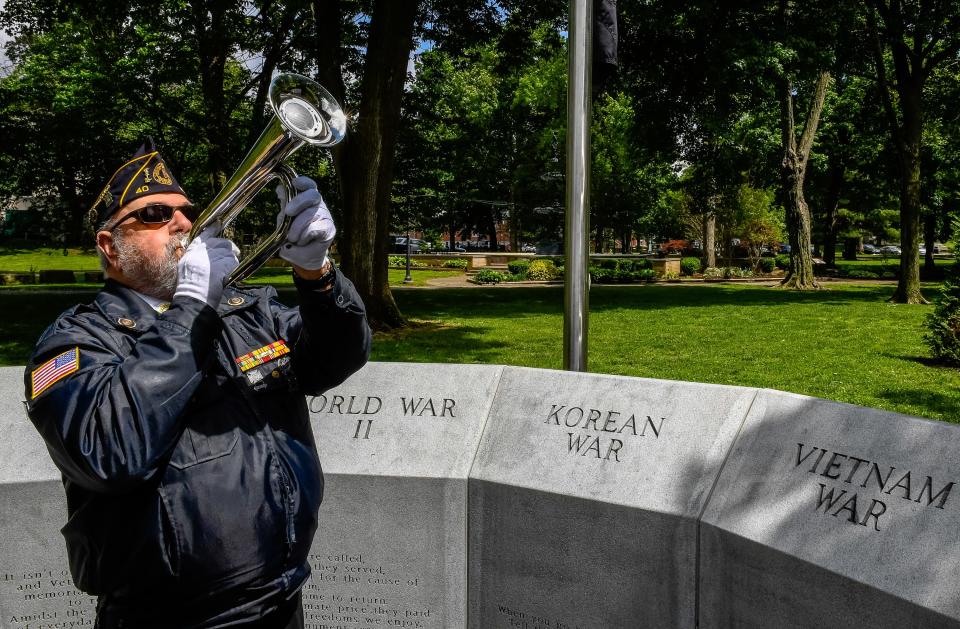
(128, 310)
(124, 307)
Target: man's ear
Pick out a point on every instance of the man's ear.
(106, 246)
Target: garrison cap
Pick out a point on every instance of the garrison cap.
(144, 173)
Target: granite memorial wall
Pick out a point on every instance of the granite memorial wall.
(487, 496)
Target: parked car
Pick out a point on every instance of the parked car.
(416, 245)
(528, 248)
(890, 250)
(870, 249)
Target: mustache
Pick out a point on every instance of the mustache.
(177, 241)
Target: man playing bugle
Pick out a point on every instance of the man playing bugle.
(175, 410)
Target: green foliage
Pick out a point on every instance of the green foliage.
(602, 275)
(861, 274)
(689, 266)
(541, 270)
(487, 276)
(455, 263)
(401, 261)
(782, 261)
(943, 324)
(715, 273)
(518, 267)
(767, 265)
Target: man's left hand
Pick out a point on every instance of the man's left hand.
(312, 229)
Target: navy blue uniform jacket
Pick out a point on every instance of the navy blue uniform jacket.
(193, 486)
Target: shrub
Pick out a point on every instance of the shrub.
(401, 261)
(542, 270)
(487, 276)
(767, 265)
(689, 266)
(600, 276)
(640, 264)
(456, 263)
(712, 273)
(862, 275)
(609, 263)
(518, 267)
(943, 324)
(782, 261)
(646, 275)
(732, 271)
(670, 276)
(888, 275)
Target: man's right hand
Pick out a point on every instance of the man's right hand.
(204, 268)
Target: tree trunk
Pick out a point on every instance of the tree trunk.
(929, 238)
(364, 161)
(709, 240)
(213, 46)
(792, 173)
(908, 286)
(851, 247)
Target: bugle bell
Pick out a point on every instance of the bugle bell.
(303, 113)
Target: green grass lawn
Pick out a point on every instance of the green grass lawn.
(878, 264)
(282, 277)
(844, 343)
(20, 260)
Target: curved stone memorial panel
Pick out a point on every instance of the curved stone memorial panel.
(396, 442)
(585, 495)
(36, 589)
(828, 514)
(503, 497)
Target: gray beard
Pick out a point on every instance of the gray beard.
(156, 277)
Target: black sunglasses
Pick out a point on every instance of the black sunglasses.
(160, 213)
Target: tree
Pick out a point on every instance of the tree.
(793, 174)
(916, 37)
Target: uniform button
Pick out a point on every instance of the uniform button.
(127, 323)
(339, 300)
(275, 373)
(235, 301)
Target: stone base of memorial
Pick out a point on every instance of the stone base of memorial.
(828, 514)
(396, 442)
(499, 497)
(36, 589)
(585, 495)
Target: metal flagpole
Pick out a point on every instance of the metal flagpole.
(577, 223)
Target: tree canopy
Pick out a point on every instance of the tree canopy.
(457, 113)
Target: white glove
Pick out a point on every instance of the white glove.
(204, 268)
(312, 229)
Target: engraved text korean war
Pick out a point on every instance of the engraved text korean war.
(841, 477)
(601, 434)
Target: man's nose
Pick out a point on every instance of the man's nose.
(180, 223)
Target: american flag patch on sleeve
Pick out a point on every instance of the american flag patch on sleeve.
(53, 370)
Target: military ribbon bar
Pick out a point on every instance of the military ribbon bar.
(263, 355)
